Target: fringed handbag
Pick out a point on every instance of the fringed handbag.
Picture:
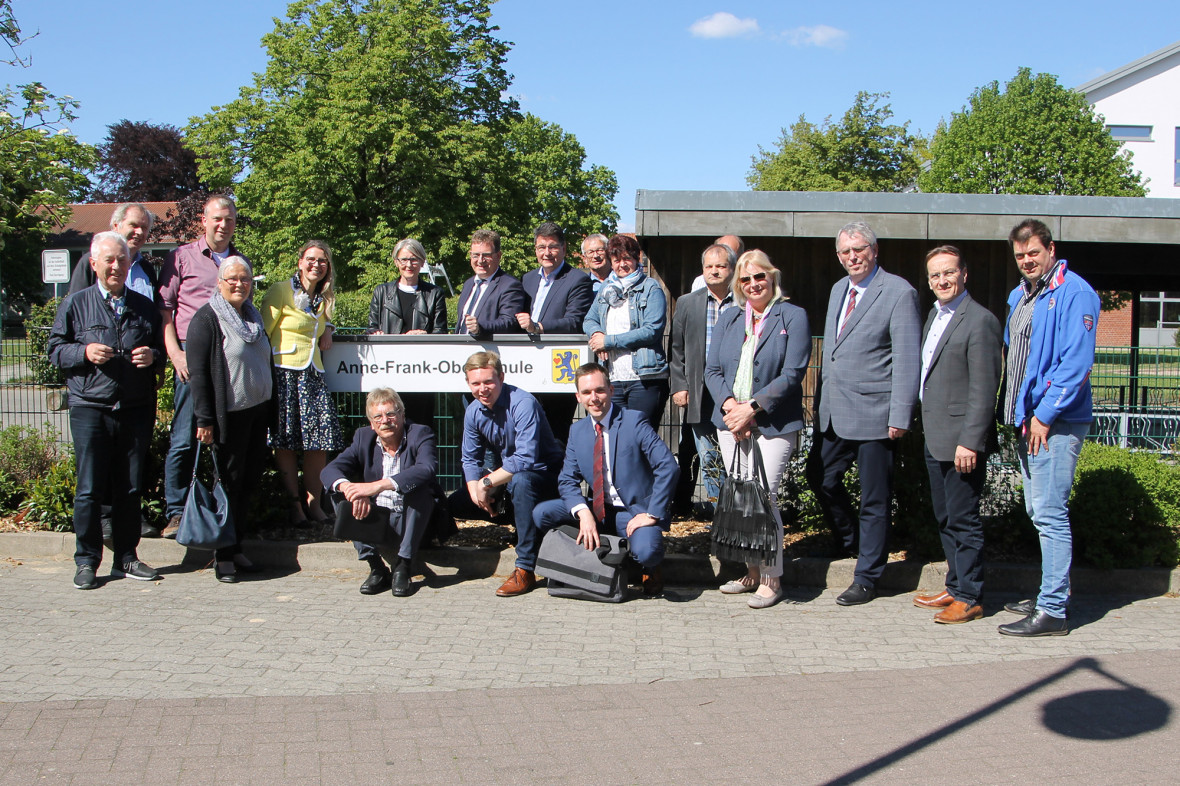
(744, 528)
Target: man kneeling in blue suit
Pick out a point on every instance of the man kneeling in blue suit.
(631, 472)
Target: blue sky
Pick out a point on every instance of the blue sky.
(671, 95)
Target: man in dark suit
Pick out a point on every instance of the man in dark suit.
(692, 333)
(960, 375)
(390, 464)
(631, 473)
(491, 299)
(869, 383)
(557, 299)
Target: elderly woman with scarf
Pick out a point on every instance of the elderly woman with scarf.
(626, 329)
(755, 369)
(231, 380)
(297, 314)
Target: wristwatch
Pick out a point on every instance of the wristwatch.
(754, 405)
(486, 481)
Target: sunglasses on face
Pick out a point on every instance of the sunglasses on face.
(759, 277)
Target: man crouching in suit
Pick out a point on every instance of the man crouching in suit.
(960, 376)
(631, 472)
(391, 464)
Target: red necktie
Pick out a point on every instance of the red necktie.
(599, 490)
(848, 311)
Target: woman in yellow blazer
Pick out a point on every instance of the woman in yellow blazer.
(297, 316)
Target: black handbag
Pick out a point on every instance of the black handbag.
(206, 523)
(744, 527)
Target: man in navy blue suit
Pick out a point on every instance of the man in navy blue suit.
(491, 299)
(558, 298)
(390, 464)
(617, 450)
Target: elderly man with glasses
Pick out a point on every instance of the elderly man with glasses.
(391, 465)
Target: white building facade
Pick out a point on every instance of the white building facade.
(1141, 104)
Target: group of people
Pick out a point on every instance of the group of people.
(736, 361)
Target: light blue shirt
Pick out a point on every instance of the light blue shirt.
(543, 290)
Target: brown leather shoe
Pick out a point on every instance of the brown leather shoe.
(939, 601)
(520, 582)
(653, 580)
(172, 528)
(958, 612)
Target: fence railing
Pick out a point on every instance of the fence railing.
(1136, 399)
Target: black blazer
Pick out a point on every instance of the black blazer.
(361, 461)
(497, 310)
(430, 310)
(569, 298)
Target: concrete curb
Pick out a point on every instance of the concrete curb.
(679, 569)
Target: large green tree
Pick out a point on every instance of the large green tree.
(863, 152)
(42, 168)
(1033, 137)
(376, 120)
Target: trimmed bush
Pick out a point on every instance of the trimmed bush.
(1125, 509)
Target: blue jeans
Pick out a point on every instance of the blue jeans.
(1048, 478)
(178, 466)
(646, 395)
(712, 467)
(526, 490)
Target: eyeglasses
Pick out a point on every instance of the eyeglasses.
(316, 261)
(598, 252)
(241, 282)
(377, 417)
(409, 261)
(759, 277)
(547, 248)
(847, 252)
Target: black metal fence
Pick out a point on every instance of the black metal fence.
(1136, 399)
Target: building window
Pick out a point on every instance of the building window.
(1130, 133)
(1176, 181)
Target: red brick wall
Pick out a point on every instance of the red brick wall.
(1114, 327)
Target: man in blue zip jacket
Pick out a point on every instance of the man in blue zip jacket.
(109, 342)
(1049, 338)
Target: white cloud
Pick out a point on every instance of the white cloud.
(723, 25)
(818, 35)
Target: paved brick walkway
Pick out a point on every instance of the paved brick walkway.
(299, 679)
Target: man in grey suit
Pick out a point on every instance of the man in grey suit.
(869, 384)
(960, 376)
(692, 333)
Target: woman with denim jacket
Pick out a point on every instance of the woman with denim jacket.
(626, 329)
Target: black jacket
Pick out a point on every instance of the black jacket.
(85, 318)
(209, 374)
(430, 310)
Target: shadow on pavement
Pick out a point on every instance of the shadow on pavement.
(1115, 713)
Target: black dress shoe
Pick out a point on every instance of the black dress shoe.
(856, 595)
(1022, 607)
(379, 580)
(1039, 623)
(401, 580)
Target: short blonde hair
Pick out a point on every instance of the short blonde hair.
(758, 259)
